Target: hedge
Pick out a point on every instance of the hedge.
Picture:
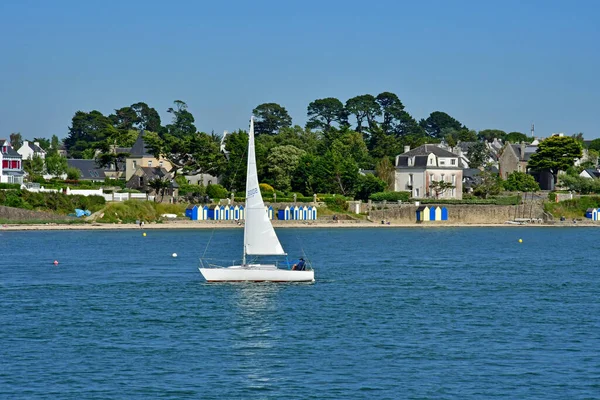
(390, 196)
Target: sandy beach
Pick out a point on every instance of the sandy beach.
(182, 224)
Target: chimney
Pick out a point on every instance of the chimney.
(522, 150)
(406, 149)
(37, 144)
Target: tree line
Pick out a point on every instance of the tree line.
(325, 156)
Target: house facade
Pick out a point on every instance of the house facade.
(417, 169)
(514, 158)
(12, 164)
(29, 149)
(141, 157)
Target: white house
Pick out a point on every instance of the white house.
(12, 164)
(417, 169)
(590, 173)
(28, 149)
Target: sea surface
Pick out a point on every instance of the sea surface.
(440, 313)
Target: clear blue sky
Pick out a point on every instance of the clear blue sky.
(489, 64)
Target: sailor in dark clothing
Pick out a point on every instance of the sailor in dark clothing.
(300, 266)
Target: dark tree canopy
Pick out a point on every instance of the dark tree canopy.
(518, 137)
(556, 153)
(437, 121)
(490, 134)
(147, 117)
(323, 112)
(364, 108)
(271, 118)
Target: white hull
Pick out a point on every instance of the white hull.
(256, 273)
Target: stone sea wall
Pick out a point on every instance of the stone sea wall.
(461, 213)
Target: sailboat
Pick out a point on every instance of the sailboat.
(260, 239)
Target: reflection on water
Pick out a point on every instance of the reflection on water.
(255, 338)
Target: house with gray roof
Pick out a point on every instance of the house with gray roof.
(418, 169)
(29, 149)
(140, 156)
(11, 164)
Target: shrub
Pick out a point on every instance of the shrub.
(215, 191)
(390, 196)
(337, 203)
(73, 173)
(10, 186)
(265, 188)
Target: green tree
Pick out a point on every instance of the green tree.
(54, 145)
(303, 179)
(490, 134)
(282, 162)
(34, 166)
(440, 187)
(364, 108)
(16, 140)
(147, 117)
(520, 182)
(385, 170)
(183, 121)
(556, 153)
(73, 173)
(234, 173)
(578, 136)
(87, 130)
(271, 118)
(56, 165)
(518, 137)
(368, 184)
(323, 112)
(392, 109)
(159, 185)
(437, 121)
(594, 145)
(489, 184)
(478, 155)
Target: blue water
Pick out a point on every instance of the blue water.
(445, 313)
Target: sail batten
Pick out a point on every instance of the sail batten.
(259, 236)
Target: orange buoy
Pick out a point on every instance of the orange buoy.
(55, 262)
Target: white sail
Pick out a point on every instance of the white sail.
(259, 235)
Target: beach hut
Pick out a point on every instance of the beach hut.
(269, 211)
(242, 214)
(312, 213)
(432, 213)
(192, 212)
(305, 213)
(284, 214)
(444, 214)
(203, 213)
(588, 212)
(210, 213)
(236, 213)
(423, 213)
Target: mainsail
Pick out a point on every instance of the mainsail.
(259, 235)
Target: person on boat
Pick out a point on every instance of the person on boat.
(300, 266)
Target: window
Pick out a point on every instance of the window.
(453, 161)
(443, 176)
(453, 179)
(431, 177)
(417, 192)
(134, 164)
(442, 162)
(410, 179)
(160, 163)
(431, 161)
(150, 163)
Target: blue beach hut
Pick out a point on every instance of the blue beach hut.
(444, 214)
(192, 212)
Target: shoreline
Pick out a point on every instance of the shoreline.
(276, 224)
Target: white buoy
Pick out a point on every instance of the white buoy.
(174, 255)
